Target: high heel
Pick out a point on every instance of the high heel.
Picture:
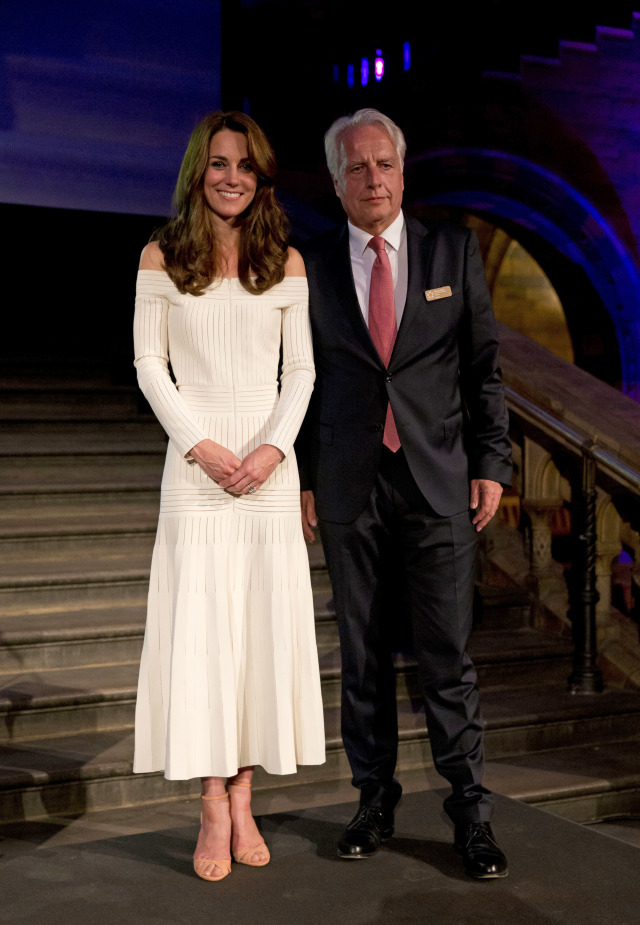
(244, 857)
(224, 864)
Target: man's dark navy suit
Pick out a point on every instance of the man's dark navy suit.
(443, 382)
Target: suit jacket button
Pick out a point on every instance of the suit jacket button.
(388, 379)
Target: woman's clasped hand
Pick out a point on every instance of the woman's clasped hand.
(234, 475)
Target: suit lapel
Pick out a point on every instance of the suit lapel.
(419, 254)
(338, 272)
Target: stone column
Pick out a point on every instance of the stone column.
(540, 512)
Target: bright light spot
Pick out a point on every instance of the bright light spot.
(364, 72)
(350, 76)
(378, 69)
(406, 56)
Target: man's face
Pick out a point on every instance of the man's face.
(371, 192)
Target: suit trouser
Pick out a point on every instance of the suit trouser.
(438, 563)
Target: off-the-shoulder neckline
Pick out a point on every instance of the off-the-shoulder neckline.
(234, 279)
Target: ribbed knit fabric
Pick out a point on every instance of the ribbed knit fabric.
(229, 671)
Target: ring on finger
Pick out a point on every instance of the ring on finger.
(251, 489)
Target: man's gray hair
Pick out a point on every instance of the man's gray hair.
(334, 143)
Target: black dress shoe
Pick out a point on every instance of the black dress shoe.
(370, 826)
(480, 852)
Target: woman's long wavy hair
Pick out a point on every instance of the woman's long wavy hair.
(188, 241)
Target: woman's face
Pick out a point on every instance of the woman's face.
(230, 181)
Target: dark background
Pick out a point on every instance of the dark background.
(133, 78)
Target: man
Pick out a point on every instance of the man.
(405, 449)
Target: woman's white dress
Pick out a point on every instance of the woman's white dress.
(229, 672)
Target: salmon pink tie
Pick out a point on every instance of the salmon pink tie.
(382, 323)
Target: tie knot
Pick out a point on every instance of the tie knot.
(377, 245)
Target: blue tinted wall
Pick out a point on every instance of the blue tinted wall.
(97, 99)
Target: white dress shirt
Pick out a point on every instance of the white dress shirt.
(362, 258)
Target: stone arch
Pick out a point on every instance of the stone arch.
(543, 479)
(609, 522)
(527, 196)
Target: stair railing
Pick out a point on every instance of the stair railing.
(591, 464)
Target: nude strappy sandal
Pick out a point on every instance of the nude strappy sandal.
(224, 864)
(244, 856)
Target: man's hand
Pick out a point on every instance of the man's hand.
(254, 470)
(485, 498)
(309, 519)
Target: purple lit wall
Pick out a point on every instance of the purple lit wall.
(552, 153)
(97, 100)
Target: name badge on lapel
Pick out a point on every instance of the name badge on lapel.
(442, 293)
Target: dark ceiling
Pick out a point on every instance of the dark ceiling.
(279, 58)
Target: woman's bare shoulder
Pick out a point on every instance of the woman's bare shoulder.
(152, 257)
(295, 264)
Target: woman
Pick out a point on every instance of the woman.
(229, 672)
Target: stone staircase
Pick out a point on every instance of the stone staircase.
(80, 465)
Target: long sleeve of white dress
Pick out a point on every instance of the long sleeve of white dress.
(151, 345)
(297, 377)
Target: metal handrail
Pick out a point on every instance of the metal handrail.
(582, 442)
(586, 677)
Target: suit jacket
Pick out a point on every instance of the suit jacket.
(443, 379)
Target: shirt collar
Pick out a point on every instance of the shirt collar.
(359, 239)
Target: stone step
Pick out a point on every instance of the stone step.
(71, 639)
(54, 373)
(34, 523)
(64, 573)
(549, 717)
(75, 513)
(49, 705)
(115, 583)
(50, 618)
(72, 403)
(68, 594)
(48, 473)
(518, 658)
(102, 635)
(46, 438)
(32, 556)
(84, 698)
(113, 636)
(33, 514)
(509, 607)
(585, 784)
(518, 723)
(77, 774)
(71, 701)
(84, 566)
(34, 561)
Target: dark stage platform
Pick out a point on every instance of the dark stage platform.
(560, 873)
